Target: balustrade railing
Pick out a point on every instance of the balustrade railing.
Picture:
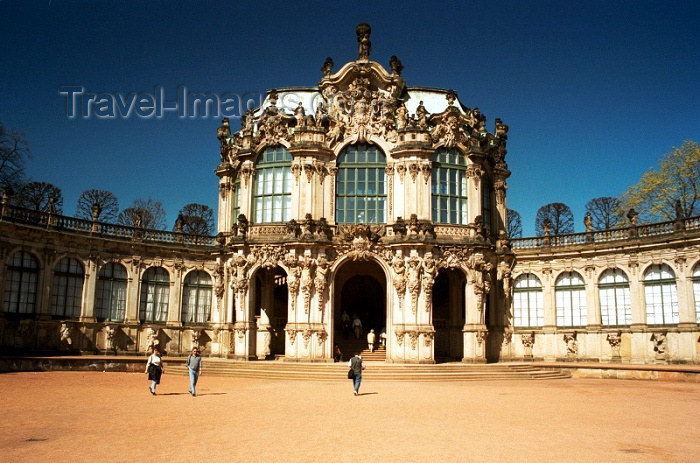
(60, 222)
(602, 236)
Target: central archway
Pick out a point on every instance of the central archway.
(361, 292)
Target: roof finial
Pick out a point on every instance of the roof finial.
(363, 30)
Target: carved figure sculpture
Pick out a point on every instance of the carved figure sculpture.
(306, 281)
(300, 115)
(428, 278)
(327, 67)
(398, 266)
(401, 117)
(421, 116)
(321, 279)
(364, 45)
(66, 334)
(151, 339)
(395, 65)
(414, 269)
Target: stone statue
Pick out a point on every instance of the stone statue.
(395, 65)
(363, 31)
(632, 216)
(242, 226)
(66, 334)
(422, 116)
(300, 115)
(401, 117)
(327, 67)
(318, 117)
(588, 222)
(399, 227)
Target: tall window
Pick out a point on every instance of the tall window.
(615, 307)
(449, 187)
(486, 204)
(696, 292)
(67, 290)
(528, 302)
(21, 280)
(155, 295)
(272, 194)
(110, 297)
(360, 185)
(196, 297)
(236, 198)
(571, 300)
(661, 295)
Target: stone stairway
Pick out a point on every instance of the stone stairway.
(375, 371)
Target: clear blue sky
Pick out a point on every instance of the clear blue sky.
(594, 91)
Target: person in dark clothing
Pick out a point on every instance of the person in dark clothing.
(356, 366)
(337, 354)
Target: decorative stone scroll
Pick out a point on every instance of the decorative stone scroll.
(615, 339)
(528, 341)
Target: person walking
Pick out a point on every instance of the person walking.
(371, 339)
(194, 365)
(357, 327)
(154, 369)
(357, 366)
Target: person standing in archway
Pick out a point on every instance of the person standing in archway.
(357, 326)
(356, 366)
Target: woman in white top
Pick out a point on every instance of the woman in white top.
(154, 368)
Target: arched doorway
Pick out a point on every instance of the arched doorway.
(448, 314)
(270, 312)
(360, 291)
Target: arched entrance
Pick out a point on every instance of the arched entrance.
(360, 292)
(448, 314)
(270, 312)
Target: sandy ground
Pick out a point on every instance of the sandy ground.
(106, 417)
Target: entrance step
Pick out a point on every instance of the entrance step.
(374, 371)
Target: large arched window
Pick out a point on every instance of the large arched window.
(449, 187)
(67, 289)
(272, 194)
(196, 297)
(155, 295)
(360, 185)
(571, 300)
(696, 291)
(21, 280)
(661, 295)
(615, 307)
(528, 302)
(110, 297)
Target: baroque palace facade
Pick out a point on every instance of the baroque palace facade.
(359, 197)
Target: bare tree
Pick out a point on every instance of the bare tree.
(560, 218)
(107, 202)
(147, 213)
(14, 152)
(605, 212)
(515, 224)
(196, 219)
(40, 196)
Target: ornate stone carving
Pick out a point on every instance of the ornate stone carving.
(426, 168)
(292, 333)
(428, 278)
(401, 169)
(413, 337)
(363, 31)
(296, 171)
(306, 336)
(528, 340)
(327, 67)
(246, 171)
(500, 187)
(428, 337)
(293, 278)
(398, 266)
(321, 278)
(273, 126)
(363, 240)
(571, 345)
(152, 339)
(309, 171)
(320, 170)
(615, 339)
(481, 336)
(414, 274)
(196, 337)
(306, 281)
(110, 337)
(479, 271)
(395, 65)
(660, 345)
(399, 336)
(321, 337)
(413, 169)
(65, 334)
(268, 256)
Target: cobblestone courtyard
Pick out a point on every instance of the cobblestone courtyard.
(111, 417)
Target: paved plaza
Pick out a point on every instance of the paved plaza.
(111, 417)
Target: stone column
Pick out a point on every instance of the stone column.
(87, 312)
(175, 296)
(133, 292)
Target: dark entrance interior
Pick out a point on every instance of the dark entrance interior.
(448, 314)
(270, 305)
(361, 292)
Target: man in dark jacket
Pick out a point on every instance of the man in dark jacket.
(356, 366)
